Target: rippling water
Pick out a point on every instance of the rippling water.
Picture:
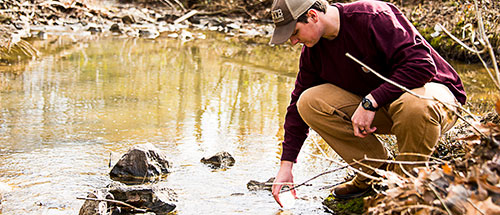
(86, 102)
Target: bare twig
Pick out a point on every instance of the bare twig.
(473, 50)
(180, 5)
(486, 41)
(422, 155)
(412, 93)
(320, 149)
(386, 79)
(439, 197)
(286, 184)
(114, 201)
(185, 16)
(326, 158)
(363, 173)
(415, 207)
(463, 119)
(167, 2)
(475, 206)
(483, 39)
(321, 174)
(401, 162)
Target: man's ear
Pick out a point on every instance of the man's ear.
(313, 14)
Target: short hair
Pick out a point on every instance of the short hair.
(318, 5)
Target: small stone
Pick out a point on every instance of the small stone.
(94, 29)
(149, 33)
(115, 28)
(220, 160)
(128, 19)
(253, 185)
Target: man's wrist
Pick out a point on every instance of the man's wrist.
(369, 103)
(287, 164)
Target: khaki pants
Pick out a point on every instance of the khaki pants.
(417, 123)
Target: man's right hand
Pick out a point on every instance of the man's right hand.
(284, 177)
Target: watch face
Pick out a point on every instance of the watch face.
(366, 104)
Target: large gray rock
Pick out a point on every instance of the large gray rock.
(219, 161)
(123, 199)
(142, 163)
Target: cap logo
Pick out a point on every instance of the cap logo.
(277, 15)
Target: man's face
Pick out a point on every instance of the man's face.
(306, 33)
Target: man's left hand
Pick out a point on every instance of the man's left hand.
(362, 120)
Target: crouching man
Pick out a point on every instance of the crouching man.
(346, 105)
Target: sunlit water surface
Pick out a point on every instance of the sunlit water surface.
(84, 103)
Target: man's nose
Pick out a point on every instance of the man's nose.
(294, 40)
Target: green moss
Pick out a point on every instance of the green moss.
(345, 206)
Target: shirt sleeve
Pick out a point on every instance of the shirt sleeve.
(296, 130)
(405, 50)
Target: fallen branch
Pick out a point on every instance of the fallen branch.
(185, 16)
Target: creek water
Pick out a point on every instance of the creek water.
(75, 110)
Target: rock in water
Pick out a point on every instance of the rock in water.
(91, 207)
(115, 28)
(220, 160)
(154, 198)
(142, 163)
(253, 185)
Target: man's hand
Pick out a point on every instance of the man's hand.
(284, 177)
(362, 119)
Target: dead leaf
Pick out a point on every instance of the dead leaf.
(486, 207)
(446, 169)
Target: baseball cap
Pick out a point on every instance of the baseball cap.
(285, 14)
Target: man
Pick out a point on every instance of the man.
(344, 103)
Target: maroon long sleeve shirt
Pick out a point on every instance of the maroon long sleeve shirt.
(379, 35)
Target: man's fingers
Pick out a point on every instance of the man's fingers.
(294, 193)
(276, 192)
(371, 130)
(356, 130)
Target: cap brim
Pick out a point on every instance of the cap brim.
(282, 33)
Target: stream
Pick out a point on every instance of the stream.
(77, 108)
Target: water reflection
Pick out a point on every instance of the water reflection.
(68, 111)
(65, 114)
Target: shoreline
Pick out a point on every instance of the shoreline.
(23, 21)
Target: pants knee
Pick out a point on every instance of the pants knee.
(414, 112)
(305, 104)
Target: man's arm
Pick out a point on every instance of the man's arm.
(405, 50)
(296, 129)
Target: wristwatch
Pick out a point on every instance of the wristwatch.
(367, 104)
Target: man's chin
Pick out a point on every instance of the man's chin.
(309, 45)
